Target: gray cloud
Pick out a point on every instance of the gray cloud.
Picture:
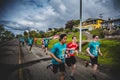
(41, 14)
(14, 25)
(110, 4)
(116, 4)
(94, 8)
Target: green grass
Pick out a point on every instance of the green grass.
(69, 38)
(110, 50)
(99, 32)
(52, 42)
(39, 41)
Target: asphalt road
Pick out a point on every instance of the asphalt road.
(17, 63)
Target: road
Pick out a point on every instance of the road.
(17, 63)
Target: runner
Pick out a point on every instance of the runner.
(42, 42)
(93, 50)
(46, 43)
(71, 52)
(21, 40)
(57, 54)
(35, 41)
(30, 43)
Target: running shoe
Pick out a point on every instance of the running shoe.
(50, 66)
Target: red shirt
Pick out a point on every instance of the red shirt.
(72, 46)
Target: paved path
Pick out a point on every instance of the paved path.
(9, 59)
(38, 70)
(16, 63)
(89, 36)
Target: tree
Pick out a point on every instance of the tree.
(69, 25)
(19, 35)
(2, 29)
(5, 34)
(76, 22)
(1, 32)
(8, 35)
(49, 29)
(25, 34)
(61, 29)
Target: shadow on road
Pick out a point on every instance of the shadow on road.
(7, 69)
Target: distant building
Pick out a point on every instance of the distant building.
(111, 24)
(92, 23)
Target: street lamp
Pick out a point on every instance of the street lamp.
(80, 36)
(28, 32)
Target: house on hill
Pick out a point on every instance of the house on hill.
(92, 23)
(111, 24)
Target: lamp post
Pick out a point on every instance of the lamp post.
(28, 32)
(80, 36)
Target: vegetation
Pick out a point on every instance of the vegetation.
(5, 34)
(71, 23)
(69, 38)
(110, 50)
(99, 32)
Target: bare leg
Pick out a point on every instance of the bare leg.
(73, 69)
(94, 69)
(46, 50)
(30, 48)
(62, 76)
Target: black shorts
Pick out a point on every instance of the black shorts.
(61, 67)
(94, 60)
(46, 46)
(70, 61)
(30, 45)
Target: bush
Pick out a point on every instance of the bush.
(98, 32)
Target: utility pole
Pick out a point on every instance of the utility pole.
(80, 36)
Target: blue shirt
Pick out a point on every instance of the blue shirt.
(94, 46)
(21, 39)
(46, 41)
(59, 51)
(30, 41)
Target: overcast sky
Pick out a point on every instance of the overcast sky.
(19, 15)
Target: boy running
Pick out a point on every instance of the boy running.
(93, 50)
(46, 42)
(71, 52)
(57, 54)
(30, 43)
